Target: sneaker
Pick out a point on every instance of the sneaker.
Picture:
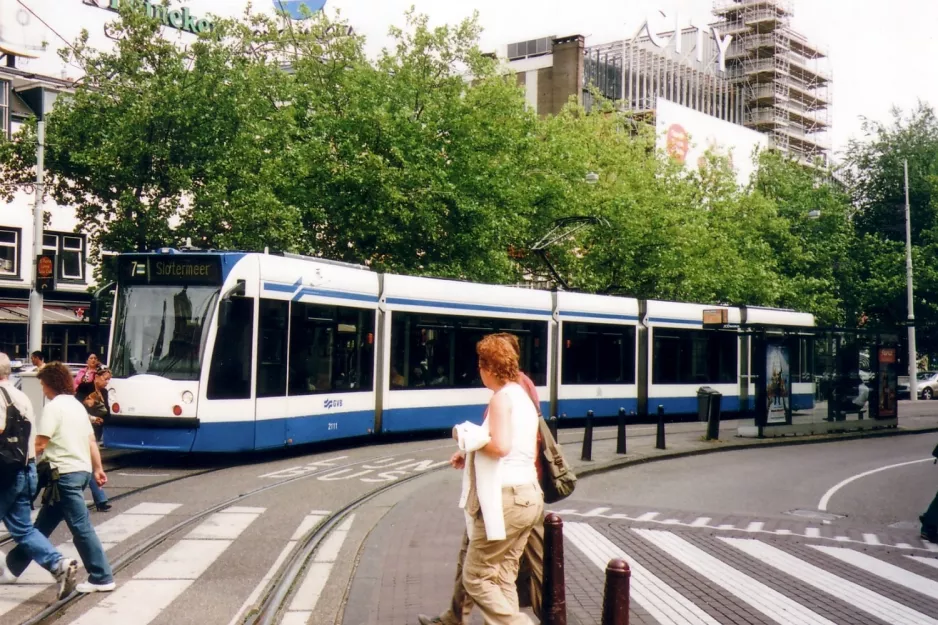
(6, 577)
(66, 574)
(103, 507)
(87, 587)
(428, 620)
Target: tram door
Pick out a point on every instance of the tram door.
(271, 376)
(745, 377)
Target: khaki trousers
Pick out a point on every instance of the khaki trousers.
(489, 568)
(529, 584)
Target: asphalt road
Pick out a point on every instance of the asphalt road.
(771, 483)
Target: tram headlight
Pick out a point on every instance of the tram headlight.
(187, 397)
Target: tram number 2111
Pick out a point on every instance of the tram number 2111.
(333, 426)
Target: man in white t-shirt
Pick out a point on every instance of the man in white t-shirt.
(16, 498)
(66, 440)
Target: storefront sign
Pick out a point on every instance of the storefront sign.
(778, 383)
(656, 26)
(180, 19)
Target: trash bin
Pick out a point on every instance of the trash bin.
(704, 393)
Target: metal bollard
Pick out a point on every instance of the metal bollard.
(620, 435)
(588, 437)
(659, 440)
(713, 419)
(616, 593)
(554, 602)
(552, 426)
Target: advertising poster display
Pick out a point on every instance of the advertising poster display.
(886, 387)
(778, 384)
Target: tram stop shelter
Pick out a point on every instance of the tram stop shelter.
(808, 380)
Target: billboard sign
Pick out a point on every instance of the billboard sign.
(657, 26)
(778, 383)
(687, 135)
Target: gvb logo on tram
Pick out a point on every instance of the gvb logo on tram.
(332, 403)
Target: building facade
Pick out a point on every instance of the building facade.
(748, 67)
(68, 333)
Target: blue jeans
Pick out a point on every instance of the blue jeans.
(72, 508)
(97, 493)
(15, 504)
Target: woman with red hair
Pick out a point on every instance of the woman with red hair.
(505, 500)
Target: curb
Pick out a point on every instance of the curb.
(614, 465)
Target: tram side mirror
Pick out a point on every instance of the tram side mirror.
(224, 306)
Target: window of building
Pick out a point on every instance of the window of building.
(69, 250)
(4, 109)
(439, 351)
(598, 353)
(694, 356)
(9, 252)
(331, 349)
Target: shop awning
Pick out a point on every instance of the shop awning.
(50, 314)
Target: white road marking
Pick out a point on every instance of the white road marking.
(929, 561)
(701, 521)
(812, 532)
(153, 589)
(755, 526)
(822, 505)
(766, 600)
(648, 516)
(36, 579)
(665, 604)
(857, 596)
(871, 539)
(882, 569)
(310, 521)
(317, 574)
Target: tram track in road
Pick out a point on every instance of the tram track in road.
(137, 551)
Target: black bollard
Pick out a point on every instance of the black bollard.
(552, 426)
(620, 435)
(713, 419)
(616, 593)
(554, 602)
(659, 440)
(588, 437)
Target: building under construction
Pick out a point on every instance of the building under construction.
(747, 67)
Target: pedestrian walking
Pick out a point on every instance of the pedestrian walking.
(86, 374)
(66, 441)
(930, 518)
(503, 500)
(531, 567)
(17, 489)
(96, 404)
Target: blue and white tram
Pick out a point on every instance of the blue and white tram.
(225, 351)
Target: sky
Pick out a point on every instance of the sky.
(881, 54)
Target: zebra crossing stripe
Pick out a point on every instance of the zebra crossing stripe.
(859, 597)
(153, 589)
(35, 579)
(882, 569)
(664, 603)
(307, 596)
(932, 562)
(310, 521)
(766, 600)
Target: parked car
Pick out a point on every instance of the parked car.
(927, 382)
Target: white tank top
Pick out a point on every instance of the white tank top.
(517, 468)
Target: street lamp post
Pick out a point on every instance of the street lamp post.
(913, 368)
(35, 296)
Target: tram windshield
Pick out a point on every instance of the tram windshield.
(160, 330)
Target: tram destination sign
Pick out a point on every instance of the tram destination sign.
(168, 270)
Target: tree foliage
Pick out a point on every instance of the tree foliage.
(261, 134)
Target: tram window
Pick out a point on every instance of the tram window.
(331, 349)
(272, 348)
(598, 353)
(694, 356)
(230, 373)
(439, 351)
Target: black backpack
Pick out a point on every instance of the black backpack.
(14, 442)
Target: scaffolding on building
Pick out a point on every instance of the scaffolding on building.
(783, 74)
